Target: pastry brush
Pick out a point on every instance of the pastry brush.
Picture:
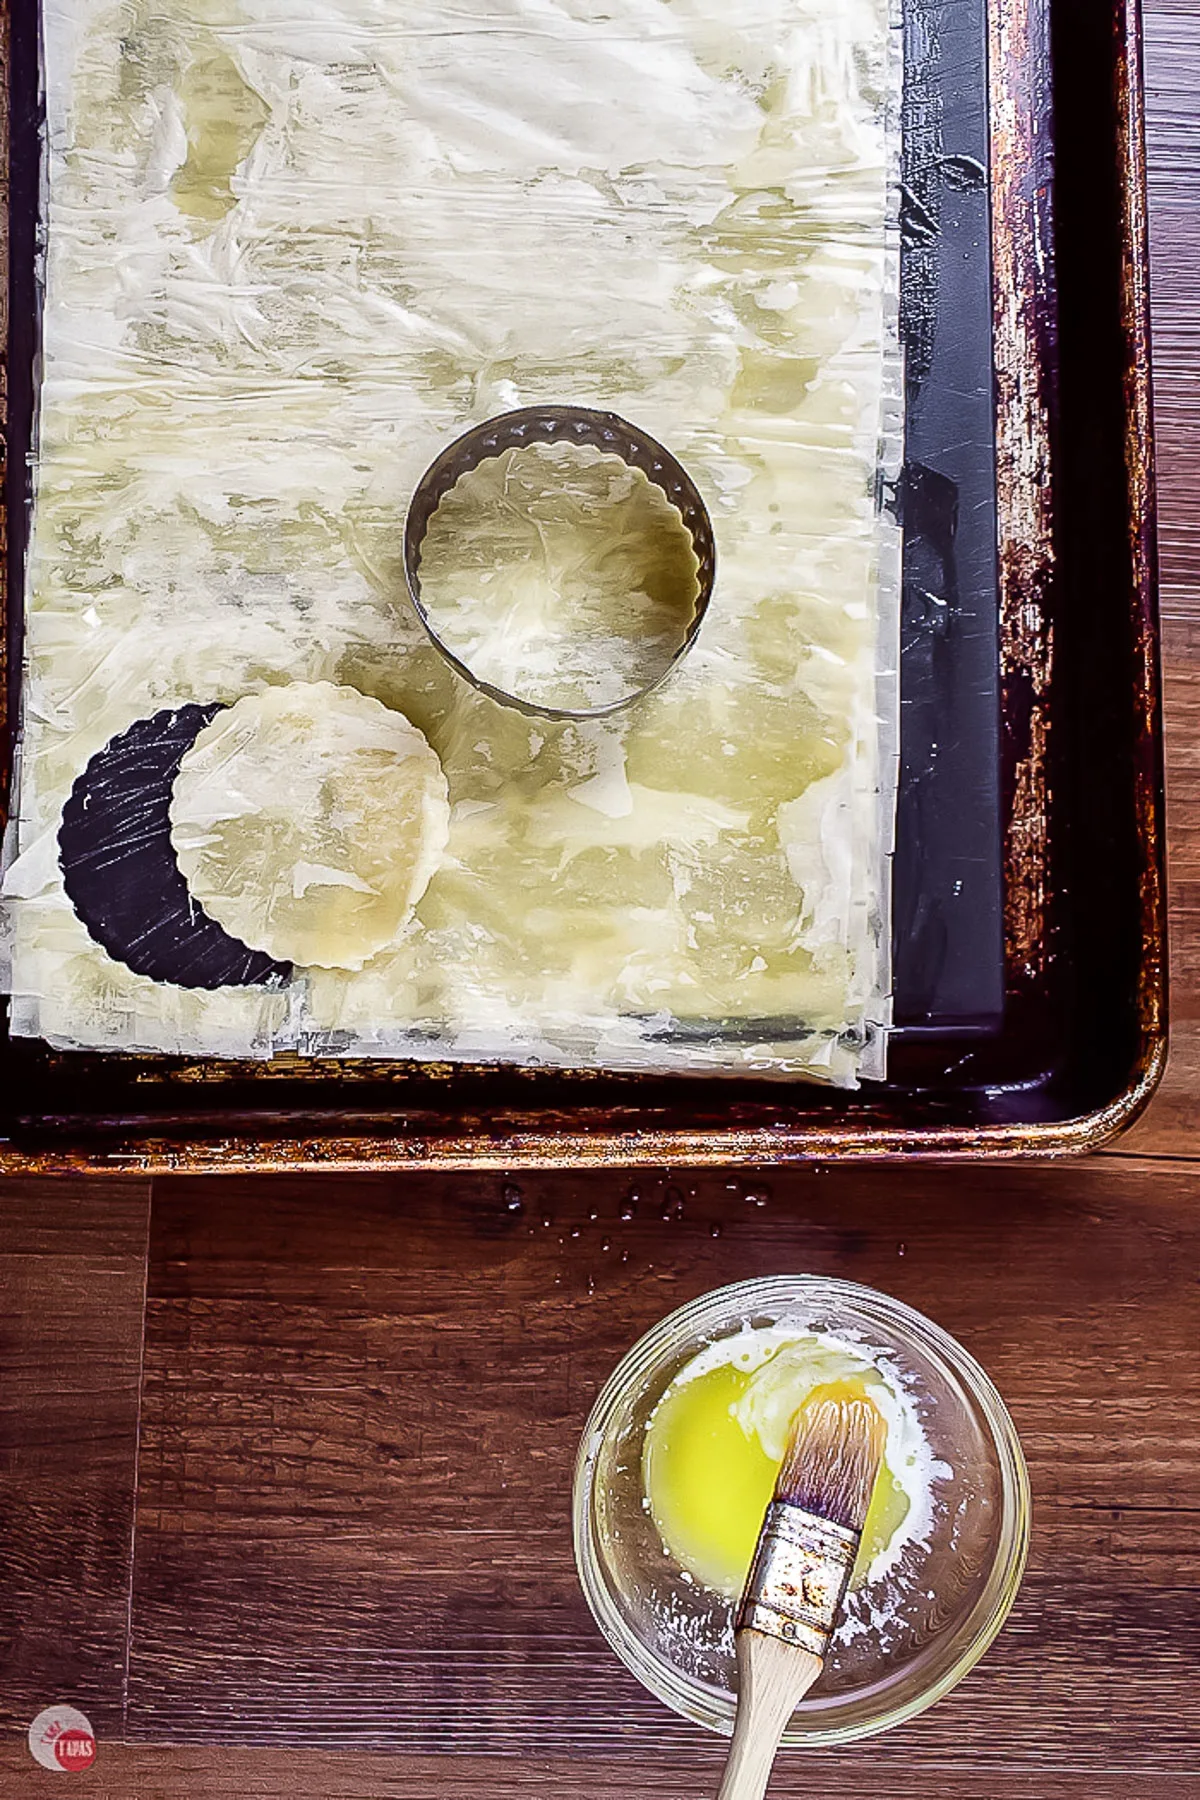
(806, 1550)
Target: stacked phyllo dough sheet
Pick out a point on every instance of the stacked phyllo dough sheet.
(293, 252)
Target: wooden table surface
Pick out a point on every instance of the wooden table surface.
(285, 1465)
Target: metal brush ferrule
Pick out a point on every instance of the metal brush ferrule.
(798, 1577)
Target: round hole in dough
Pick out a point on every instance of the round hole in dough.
(308, 821)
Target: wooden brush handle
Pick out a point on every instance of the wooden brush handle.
(772, 1678)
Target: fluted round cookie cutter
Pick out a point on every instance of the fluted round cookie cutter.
(120, 871)
(605, 431)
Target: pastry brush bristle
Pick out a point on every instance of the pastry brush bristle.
(832, 1459)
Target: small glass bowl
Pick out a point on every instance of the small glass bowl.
(952, 1592)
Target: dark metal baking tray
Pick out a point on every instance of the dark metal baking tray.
(1029, 902)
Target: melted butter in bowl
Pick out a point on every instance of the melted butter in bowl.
(718, 1435)
(679, 1459)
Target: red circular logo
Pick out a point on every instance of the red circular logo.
(61, 1739)
(75, 1749)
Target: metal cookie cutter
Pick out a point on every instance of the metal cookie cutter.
(561, 425)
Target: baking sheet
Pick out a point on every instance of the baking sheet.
(1081, 1042)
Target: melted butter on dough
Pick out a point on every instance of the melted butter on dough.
(292, 253)
(308, 821)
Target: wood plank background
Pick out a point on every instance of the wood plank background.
(245, 1539)
(353, 1499)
